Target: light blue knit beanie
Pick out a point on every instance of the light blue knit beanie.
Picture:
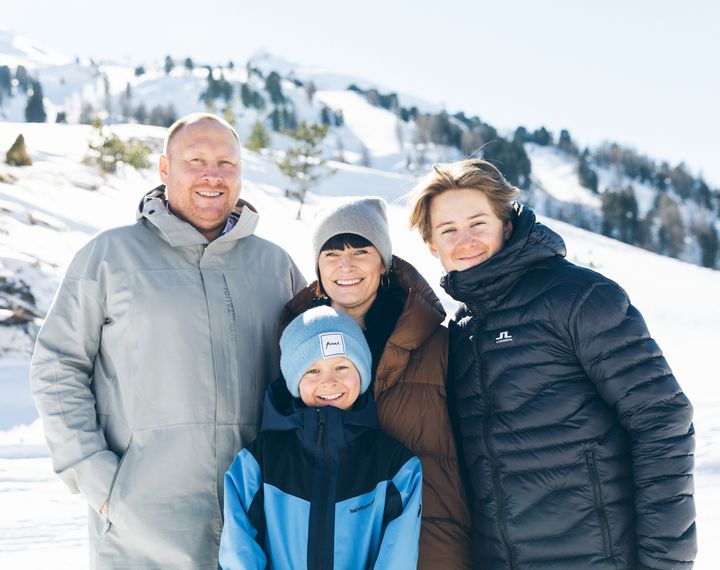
(322, 332)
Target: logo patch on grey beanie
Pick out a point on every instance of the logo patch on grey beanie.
(332, 344)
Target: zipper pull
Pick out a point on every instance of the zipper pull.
(321, 429)
(589, 457)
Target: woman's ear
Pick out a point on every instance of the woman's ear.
(507, 232)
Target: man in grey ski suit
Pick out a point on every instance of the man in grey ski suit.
(150, 369)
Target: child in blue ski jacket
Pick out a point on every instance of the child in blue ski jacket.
(321, 486)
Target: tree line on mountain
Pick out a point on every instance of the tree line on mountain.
(662, 229)
(470, 135)
(21, 82)
(281, 117)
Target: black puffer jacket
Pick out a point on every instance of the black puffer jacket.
(577, 438)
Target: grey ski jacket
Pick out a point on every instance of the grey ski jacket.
(149, 374)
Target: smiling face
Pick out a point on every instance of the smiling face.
(351, 277)
(330, 382)
(464, 229)
(201, 172)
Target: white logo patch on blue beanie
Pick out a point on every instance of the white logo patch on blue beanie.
(332, 344)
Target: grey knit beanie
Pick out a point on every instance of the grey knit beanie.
(365, 217)
(318, 333)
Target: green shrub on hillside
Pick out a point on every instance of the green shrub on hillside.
(17, 154)
(106, 150)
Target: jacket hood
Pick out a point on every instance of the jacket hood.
(422, 311)
(153, 207)
(283, 412)
(489, 282)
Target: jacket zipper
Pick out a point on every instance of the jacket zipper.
(322, 440)
(486, 437)
(595, 480)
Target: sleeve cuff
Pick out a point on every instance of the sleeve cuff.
(93, 477)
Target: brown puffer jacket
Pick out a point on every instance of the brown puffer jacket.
(409, 390)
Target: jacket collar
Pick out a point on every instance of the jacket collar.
(488, 283)
(153, 208)
(282, 412)
(422, 313)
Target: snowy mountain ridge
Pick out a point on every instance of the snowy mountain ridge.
(370, 126)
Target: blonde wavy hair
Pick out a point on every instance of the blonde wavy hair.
(472, 174)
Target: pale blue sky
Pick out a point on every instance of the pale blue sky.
(643, 73)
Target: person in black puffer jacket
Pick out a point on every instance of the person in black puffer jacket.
(576, 437)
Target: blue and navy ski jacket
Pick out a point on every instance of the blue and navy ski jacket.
(321, 488)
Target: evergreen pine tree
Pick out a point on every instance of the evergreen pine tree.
(707, 237)
(586, 175)
(340, 150)
(245, 96)
(162, 115)
(510, 158)
(671, 235)
(17, 154)
(108, 97)
(522, 135)
(250, 98)
(169, 64)
(310, 90)
(141, 114)
(542, 136)
(275, 120)
(274, 89)
(325, 116)
(23, 78)
(565, 143)
(229, 114)
(35, 108)
(303, 163)
(5, 80)
(645, 238)
(87, 114)
(126, 103)
(259, 137)
(620, 214)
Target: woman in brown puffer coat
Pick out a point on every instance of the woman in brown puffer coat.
(402, 321)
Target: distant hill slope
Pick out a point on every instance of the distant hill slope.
(612, 190)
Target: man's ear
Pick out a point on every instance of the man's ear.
(507, 232)
(164, 168)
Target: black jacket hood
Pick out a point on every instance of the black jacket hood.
(488, 283)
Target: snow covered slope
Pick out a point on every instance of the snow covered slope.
(17, 50)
